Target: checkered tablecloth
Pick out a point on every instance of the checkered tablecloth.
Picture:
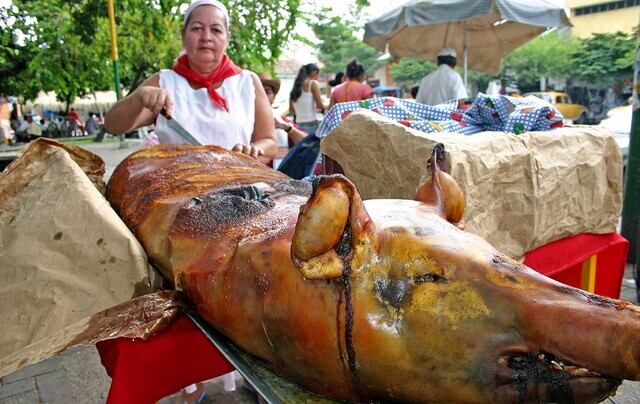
(486, 113)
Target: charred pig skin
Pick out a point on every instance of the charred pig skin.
(381, 300)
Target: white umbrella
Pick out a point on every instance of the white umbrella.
(484, 31)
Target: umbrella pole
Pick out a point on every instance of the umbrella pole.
(464, 45)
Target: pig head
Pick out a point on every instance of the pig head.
(383, 300)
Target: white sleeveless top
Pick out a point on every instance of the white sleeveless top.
(305, 106)
(206, 121)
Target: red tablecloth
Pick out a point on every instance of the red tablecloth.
(145, 371)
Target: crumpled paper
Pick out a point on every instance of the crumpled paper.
(65, 255)
(522, 191)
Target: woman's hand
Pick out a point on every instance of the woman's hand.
(251, 150)
(282, 125)
(130, 113)
(154, 99)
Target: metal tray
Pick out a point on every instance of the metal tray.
(273, 388)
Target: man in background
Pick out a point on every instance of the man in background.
(34, 130)
(5, 125)
(444, 83)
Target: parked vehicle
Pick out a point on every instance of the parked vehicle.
(573, 112)
(618, 121)
(386, 91)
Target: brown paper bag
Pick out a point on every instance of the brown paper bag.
(65, 255)
(521, 191)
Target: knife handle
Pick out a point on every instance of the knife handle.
(163, 112)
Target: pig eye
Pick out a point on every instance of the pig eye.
(394, 292)
(428, 278)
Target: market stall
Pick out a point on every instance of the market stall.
(126, 359)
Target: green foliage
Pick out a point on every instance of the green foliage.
(14, 57)
(148, 35)
(605, 57)
(480, 79)
(339, 44)
(601, 58)
(66, 43)
(410, 71)
(260, 31)
(60, 60)
(547, 55)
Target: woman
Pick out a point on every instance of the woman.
(213, 99)
(337, 80)
(304, 99)
(287, 134)
(353, 89)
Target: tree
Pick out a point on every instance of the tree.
(14, 57)
(67, 42)
(547, 55)
(339, 44)
(260, 31)
(61, 60)
(149, 33)
(410, 71)
(605, 57)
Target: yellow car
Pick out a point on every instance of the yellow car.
(574, 112)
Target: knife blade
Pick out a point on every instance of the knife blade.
(182, 132)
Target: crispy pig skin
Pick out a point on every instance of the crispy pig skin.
(381, 300)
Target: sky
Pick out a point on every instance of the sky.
(305, 54)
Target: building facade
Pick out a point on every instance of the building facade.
(603, 16)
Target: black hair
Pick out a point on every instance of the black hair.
(337, 80)
(414, 91)
(447, 60)
(303, 73)
(354, 69)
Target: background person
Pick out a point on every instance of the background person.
(34, 130)
(337, 80)
(353, 89)
(304, 99)
(15, 116)
(5, 125)
(90, 125)
(287, 134)
(414, 91)
(212, 98)
(74, 123)
(444, 83)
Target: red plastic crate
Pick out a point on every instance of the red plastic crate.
(567, 261)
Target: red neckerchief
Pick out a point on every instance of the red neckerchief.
(225, 69)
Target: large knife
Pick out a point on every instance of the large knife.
(182, 132)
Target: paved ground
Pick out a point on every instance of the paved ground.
(76, 376)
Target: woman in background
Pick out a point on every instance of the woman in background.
(337, 80)
(353, 89)
(304, 99)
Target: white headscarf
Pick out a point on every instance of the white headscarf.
(197, 3)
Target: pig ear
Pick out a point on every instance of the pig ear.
(329, 223)
(441, 191)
